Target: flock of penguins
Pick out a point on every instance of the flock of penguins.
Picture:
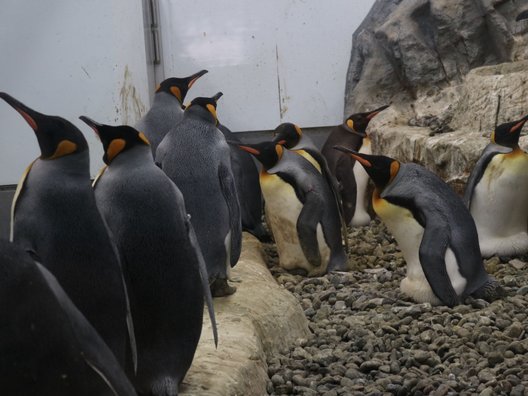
(103, 283)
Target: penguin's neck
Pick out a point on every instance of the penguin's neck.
(199, 113)
(166, 99)
(139, 154)
(73, 164)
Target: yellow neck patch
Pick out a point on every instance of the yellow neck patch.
(65, 147)
(212, 110)
(176, 92)
(493, 137)
(114, 148)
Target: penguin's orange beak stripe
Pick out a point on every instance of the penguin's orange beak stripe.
(517, 126)
(361, 160)
(250, 150)
(281, 142)
(372, 115)
(28, 119)
(192, 82)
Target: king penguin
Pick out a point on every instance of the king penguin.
(195, 155)
(434, 231)
(292, 137)
(353, 185)
(167, 108)
(54, 217)
(248, 188)
(497, 192)
(161, 259)
(47, 347)
(300, 207)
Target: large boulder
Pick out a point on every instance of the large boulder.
(452, 69)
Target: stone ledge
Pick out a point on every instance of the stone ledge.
(259, 320)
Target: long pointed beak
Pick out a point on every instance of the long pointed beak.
(374, 113)
(194, 77)
(92, 124)
(519, 125)
(217, 96)
(28, 114)
(250, 150)
(354, 154)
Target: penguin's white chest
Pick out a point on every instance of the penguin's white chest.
(409, 233)
(282, 211)
(499, 205)
(361, 216)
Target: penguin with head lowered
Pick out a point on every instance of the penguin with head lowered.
(54, 217)
(301, 210)
(292, 137)
(433, 229)
(47, 347)
(248, 188)
(161, 259)
(167, 108)
(497, 192)
(195, 155)
(352, 184)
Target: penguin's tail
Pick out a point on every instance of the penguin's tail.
(489, 291)
(164, 386)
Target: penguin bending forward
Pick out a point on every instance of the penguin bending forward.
(195, 156)
(292, 137)
(497, 193)
(162, 262)
(167, 108)
(54, 218)
(433, 229)
(300, 207)
(353, 185)
(47, 347)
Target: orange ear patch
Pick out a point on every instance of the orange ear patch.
(279, 150)
(298, 130)
(176, 92)
(65, 147)
(114, 148)
(350, 124)
(394, 168)
(211, 109)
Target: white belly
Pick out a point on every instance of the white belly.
(282, 211)
(409, 233)
(361, 216)
(500, 206)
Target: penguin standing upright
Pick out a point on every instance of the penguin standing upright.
(47, 347)
(497, 192)
(167, 108)
(433, 229)
(248, 188)
(195, 155)
(292, 137)
(301, 210)
(161, 259)
(353, 185)
(55, 219)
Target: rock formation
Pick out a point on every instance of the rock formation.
(450, 68)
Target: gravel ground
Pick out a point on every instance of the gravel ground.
(370, 339)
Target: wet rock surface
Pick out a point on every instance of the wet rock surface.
(370, 339)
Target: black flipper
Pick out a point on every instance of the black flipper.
(309, 218)
(347, 187)
(227, 183)
(204, 278)
(95, 352)
(432, 258)
(480, 167)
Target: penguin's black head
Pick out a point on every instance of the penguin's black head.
(56, 136)
(358, 122)
(382, 170)
(267, 153)
(208, 104)
(287, 134)
(116, 139)
(508, 134)
(179, 86)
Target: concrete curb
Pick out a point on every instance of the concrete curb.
(260, 319)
